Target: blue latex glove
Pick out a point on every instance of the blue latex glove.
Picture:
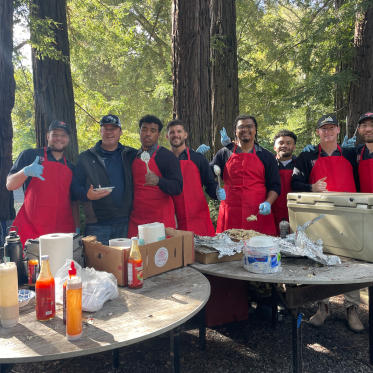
(77, 230)
(265, 208)
(308, 148)
(349, 143)
(220, 193)
(225, 140)
(202, 149)
(34, 170)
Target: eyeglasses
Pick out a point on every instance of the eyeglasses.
(246, 126)
(366, 126)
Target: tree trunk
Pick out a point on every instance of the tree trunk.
(361, 90)
(53, 89)
(191, 68)
(7, 96)
(224, 70)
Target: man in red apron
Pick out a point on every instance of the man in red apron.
(329, 168)
(45, 175)
(284, 146)
(192, 211)
(153, 189)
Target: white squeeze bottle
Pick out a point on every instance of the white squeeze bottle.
(284, 228)
(9, 311)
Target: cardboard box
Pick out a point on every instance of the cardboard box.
(158, 257)
(209, 258)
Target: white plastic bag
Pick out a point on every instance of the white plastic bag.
(98, 287)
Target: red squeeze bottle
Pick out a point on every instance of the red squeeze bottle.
(72, 272)
(45, 292)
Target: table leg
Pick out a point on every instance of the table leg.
(6, 368)
(175, 350)
(116, 358)
(371, 324)
(274, 306)
(297, 341)
(202, 329)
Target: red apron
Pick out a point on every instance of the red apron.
(244, 178)
(150, 204)
(47, 205)
(280, 207)
(366, 174)
(338, 171)
(192, 210)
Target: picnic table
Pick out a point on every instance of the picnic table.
(164, 303)
(305, 282)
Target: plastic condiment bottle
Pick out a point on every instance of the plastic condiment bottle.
(45, 292)
(33, 272)
(284, 228)
(135, 267)
(9, 311)
(72, 272)
(74, 326)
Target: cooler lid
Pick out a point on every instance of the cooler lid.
(342, 199)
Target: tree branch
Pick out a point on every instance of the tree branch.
(86, 112)
(19, 46)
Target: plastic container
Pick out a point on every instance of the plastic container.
(45, 292)
(74, 326)
(9, 310)
(284, 228)
(72, 272)
(33, 273)
(135, 266)
(262, 255)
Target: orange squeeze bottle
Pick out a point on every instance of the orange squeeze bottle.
(74, 327)
(135, 266)
(72, 272)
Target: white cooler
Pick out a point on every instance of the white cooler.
(346, 229)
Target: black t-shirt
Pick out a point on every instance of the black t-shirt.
(207, 176)
(306, 161)
(272, 175)
(366, 155)
(28, 156)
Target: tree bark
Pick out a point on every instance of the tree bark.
(361, 90)
(191, 68)
(7, 96)
(224, 70)
(53, 88)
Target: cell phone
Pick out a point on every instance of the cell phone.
(106, 188)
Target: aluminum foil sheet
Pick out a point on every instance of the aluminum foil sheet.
(221, 242)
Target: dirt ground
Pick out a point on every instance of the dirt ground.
(246, 346)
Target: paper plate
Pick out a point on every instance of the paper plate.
(24, 297)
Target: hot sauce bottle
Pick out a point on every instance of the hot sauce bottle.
(135, 267)
(45, 292)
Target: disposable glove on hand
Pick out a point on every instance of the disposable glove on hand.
(77, 230)
(220, 193)
(308, 148)
(225, 140)
(34, 170)
(349, 143)
(202, 149)
(265, 208)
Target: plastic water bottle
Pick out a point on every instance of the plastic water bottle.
(284, 228)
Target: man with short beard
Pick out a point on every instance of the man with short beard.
(192, 211)
(48, 207)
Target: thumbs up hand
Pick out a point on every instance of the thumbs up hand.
(35, 169)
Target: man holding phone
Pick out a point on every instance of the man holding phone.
(107, 164)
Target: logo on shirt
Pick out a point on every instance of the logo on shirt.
(41, 159)
(313, 162)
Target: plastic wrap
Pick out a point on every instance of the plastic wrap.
(98, 287)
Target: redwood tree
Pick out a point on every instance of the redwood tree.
(224, 70)
(7, 95)
(361, 90)
(53, 89)
(191, 68)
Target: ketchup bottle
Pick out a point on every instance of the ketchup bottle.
(45, 292)
(135, 268)
(72, 272)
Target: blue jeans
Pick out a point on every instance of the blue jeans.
(104, 233)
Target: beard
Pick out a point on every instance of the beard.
(177, 145)
(245, 140)
(367, 139)
(284, 154)
(59, 150)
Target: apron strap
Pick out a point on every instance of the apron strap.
(338, 147)
(362, 152)
(46, 157)
(188, 153)
(234, 150)
(155, 151)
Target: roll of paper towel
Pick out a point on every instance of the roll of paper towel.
(120, 242)
(59, 247)
(152, 232)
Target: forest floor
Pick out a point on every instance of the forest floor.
(247, 346)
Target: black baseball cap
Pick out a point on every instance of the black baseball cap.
(110, 119)
(59, 124)
(369, 114)
(327, 119)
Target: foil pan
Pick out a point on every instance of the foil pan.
(221, 242)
